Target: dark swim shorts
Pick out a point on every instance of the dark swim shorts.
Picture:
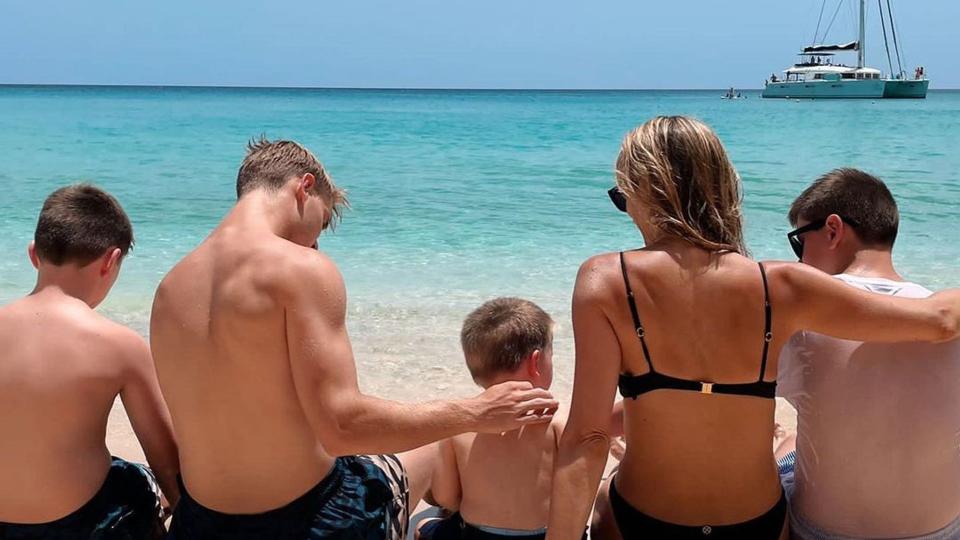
(362, 498)
(455, 528)
(127, 507)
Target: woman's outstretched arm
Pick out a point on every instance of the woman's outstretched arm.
(809, 299)
(586, 439)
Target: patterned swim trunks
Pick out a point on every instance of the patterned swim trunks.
(127, 507)
(362, 498)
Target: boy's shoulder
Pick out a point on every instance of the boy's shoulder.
(93, 330)
(534, 434)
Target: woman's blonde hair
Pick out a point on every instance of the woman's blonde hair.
(677, 168)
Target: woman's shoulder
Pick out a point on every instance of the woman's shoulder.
(611, 262)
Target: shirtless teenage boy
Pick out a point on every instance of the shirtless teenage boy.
(251, 346)
(62, 365)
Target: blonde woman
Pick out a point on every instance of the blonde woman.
(689, 329)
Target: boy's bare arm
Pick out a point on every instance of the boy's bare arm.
(148, 413)
(445, 486)
(350, 422)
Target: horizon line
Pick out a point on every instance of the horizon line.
(383, 88)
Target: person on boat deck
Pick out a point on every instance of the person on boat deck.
(690, 329)
(251, 346)
(877, 423)
(499, 484)
(62, 366)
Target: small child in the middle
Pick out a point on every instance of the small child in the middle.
(499, 485)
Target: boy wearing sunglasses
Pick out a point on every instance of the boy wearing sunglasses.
(876, 452)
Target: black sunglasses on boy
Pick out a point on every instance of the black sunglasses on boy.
(796, 241)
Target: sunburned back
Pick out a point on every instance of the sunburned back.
(219, 341)
(59, 377)
(505, 479)
(704, 321)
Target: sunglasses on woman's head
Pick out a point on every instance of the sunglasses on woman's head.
(796, 242)
(618, 198)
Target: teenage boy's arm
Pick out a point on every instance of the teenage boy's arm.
(807, 299)
(347, 421)
(148, 414)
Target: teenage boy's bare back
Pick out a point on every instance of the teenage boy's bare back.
(61, 367)
(250, 340)
(499, 480)
(223, 340)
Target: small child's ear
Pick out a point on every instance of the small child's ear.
(534, 366)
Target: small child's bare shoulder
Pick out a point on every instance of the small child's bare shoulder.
(556, 428)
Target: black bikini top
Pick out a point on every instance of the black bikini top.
(632, 386)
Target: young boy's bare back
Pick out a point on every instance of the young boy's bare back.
(62, 366)
(500, 481)
(499, 484)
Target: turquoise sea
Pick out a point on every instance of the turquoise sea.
(458, 196)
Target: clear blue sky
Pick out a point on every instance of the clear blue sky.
(445, 43)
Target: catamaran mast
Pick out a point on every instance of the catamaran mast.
(863, 32)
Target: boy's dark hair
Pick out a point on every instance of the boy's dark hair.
(499, 334)
(270, 164)
(854, 195)
(78, 224)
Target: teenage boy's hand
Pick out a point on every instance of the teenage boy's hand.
(512, 405)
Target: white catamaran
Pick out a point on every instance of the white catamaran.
(817, 76)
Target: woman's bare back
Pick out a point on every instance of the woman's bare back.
(704, 321)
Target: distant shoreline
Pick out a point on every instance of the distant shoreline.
(388, 88)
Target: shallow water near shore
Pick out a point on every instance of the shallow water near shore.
(458, 196)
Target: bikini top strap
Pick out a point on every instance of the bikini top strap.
(768, 316)
(637, 325)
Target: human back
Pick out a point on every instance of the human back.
(877, 423)
(704, 320)
(218, 331)
(252, 351)
(54, 453)
(877, 438)
(499, 483)
(218, 336)
(62, 366)
(506, 478)
(701, 316)
(697, 361)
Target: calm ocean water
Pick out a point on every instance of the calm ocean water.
(458, 196)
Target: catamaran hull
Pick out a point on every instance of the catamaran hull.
(847, 89)
(906, 89)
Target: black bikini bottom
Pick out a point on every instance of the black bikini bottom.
(635, 524)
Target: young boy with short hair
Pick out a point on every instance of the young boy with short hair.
(62, 365)
(499, 484)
